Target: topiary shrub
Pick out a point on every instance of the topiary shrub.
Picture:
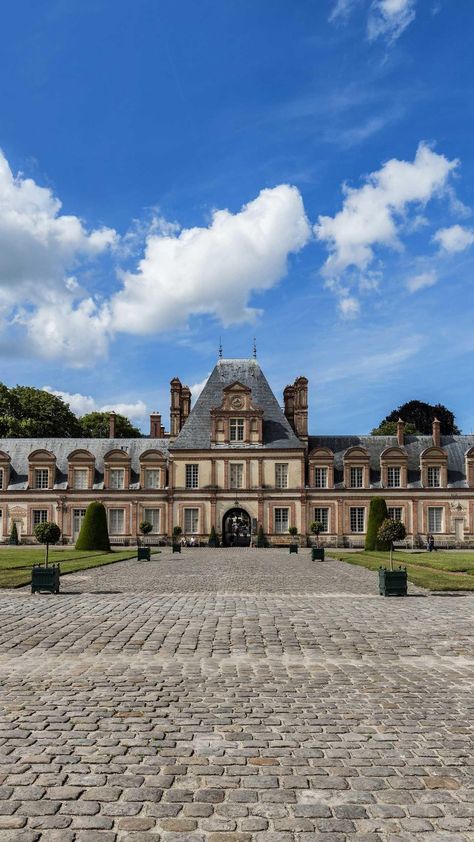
(390, 531)
(261, 539)
(377, 514)
(47, 533)
(94, 534)
(14, 535)
(145, 527)
(213, 538)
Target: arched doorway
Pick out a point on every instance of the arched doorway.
(236, 528)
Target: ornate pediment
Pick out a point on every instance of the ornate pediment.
(236, 421)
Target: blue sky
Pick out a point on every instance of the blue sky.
(175, 172)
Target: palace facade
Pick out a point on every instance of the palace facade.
(235, 461)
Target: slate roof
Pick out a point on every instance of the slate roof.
(196, 432)
(455, 447)
(20, 449)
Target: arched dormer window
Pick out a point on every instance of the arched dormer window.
(152, 470)
(434, 468)
(356, 468)
(41, 470)
(117, 470)
(469, 462)
(321, 468)
(5, 462)
(393, 468)
(81, 470)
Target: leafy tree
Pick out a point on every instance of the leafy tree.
(390, 531)
(27, 412)
(422, 414)
(14, 534)
(145, 527)
(95, 425)
(94, 534)
(316, 527)
(47, 533)
(389, 428)
(377, 514)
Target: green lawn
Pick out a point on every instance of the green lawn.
(16, 564)
(437, 571)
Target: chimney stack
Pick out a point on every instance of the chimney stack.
(289, 399)
(400, 432)
(175, 409)
(301, 407)
(156, 429)
(185, 403)
(112, 430)
(437, 433)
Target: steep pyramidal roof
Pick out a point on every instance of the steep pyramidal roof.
(196, 432)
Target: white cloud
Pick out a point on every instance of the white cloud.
(213, 270)
(425, 279)
(83, 404)
(76, 333)
(455, 238)
(389, 18)
(342, 9)
(197, 388)
(349, 307)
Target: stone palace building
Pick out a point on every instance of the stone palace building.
(237, 460)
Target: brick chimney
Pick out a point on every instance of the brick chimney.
(112, 420)
(185, 403)
(156, 429)
(301, 407)
(289, 399)
(175, 408)
(437, 433)
(400, 432)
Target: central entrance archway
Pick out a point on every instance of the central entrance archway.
(236, 528)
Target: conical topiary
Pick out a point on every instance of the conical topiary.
(377, 514)
(14, 534)
(94, 534)
(261, 539)
(213, 538)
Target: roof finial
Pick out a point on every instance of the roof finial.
(220, 348)
(254, 348)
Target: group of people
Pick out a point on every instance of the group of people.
(189, 542)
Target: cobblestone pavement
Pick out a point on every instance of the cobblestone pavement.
(326, 713)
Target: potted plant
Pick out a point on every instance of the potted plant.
(213, 538)
(46, 578)
(143, 553)
(176, 546)
(392, 582)
(317, 552)
(293, 532)
(14, 535)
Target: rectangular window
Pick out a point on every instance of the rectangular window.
(40, 516)
(435, 519)
(78, 516)
(281, 520)
(117, 521)
(281, 475)
(322, 516)
(236, 429)
(434, 477)
(117, 479)
(236, 475)
(393, 477)
(320, 477)
(192, 476)
(152, 479)
(1, 478)
(191, 521)
(41, 478)
(357, 519)
(80, 478)
(153, 517)
(395, 512)
(356, 477)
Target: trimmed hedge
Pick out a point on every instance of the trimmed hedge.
(377, 514)
(94, 534)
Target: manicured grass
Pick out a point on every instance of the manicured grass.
(15, 565)
(437, 571)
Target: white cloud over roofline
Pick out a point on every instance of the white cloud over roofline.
(83, 404)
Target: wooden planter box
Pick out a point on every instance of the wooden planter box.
(317, 554)
(393, 582)
(143, 553)
(45, 578)
(293, 548)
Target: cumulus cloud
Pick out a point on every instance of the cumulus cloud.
(83, 404)
(349, 307)
(197, 388)
(389, 18)
(78, 333)
(425, 279)
(455, 238)
(213, 270)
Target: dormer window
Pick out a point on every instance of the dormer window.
(434, 477)
(236, 420)
(393, 476)
(80, 478)
(236, 429)
(117, 478)
(320, 477)
(357, 477)
(41, 478)
(152, 479)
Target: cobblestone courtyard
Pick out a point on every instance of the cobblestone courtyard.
(231, 696)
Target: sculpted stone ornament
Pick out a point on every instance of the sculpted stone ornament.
(237, 403)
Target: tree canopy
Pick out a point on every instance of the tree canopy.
(95, 425)
(420, 416)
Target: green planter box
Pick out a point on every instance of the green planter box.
(293, 548)
(176, 548)
(317, 554)
(45, 578)
(143, 554)
(393, 582)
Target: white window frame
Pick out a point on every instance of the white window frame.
(2, 474)
(191, 521)
(78, 514)
(394, 476)
(153, 516)
(114, 521)
(281, 475)
(41, 478)
(236, 429)
(39, 516)
(320, 477)
(435, 519)
(83, 472)
(192, 475)
(153, 478)
(236, 475)
(395, 513)
(433, 475)
(356, 476)
(322, 518)
(357, 519)
(281, 517)
(117, 479)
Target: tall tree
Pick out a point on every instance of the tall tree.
(389, 428)
(95, 425)
(422, 415)
(27, 412)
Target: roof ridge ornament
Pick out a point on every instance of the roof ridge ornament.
(254, 348)
(220, 348)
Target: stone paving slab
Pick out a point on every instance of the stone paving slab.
(230, 716)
